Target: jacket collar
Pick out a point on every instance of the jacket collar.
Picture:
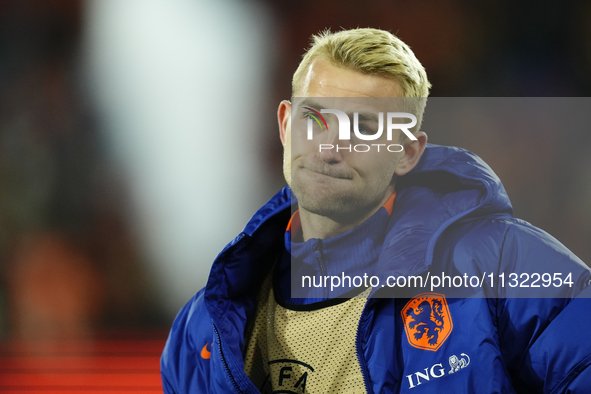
(447, 185)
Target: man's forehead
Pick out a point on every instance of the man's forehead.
(324, 79)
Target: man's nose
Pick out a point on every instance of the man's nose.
(331, 135)
(331, 149)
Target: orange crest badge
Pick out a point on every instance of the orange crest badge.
(427, 321)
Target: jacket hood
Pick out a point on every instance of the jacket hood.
(447, 186)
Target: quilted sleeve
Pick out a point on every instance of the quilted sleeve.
(544, 332)
(184, 364)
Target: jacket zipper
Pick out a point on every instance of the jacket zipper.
(321, 264)
(226, 367)
(360, 358)
(323, 271)
(362, 363)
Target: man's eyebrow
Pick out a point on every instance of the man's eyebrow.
(311, 103)
(366, 116)
(363, 116)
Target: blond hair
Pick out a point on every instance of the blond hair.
(369, 51)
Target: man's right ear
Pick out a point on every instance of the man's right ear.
(283, 117)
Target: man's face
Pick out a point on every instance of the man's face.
(344, 186)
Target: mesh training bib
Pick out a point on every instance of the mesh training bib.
(305, 348)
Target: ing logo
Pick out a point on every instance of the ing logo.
(427, 321)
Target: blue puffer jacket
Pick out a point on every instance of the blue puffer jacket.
(451, 215)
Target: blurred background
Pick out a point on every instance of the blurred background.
(138, 136)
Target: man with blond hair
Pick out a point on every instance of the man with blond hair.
(325, 289)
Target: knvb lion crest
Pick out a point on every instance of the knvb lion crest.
(427, 321)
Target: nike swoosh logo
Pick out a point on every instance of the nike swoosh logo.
(205, 354)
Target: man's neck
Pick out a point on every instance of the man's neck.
(322, 227)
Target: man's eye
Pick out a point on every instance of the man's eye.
(365, 130)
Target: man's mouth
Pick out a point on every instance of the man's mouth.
(330, 172)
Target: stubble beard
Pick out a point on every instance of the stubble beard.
(344, 207)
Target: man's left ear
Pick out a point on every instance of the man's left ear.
(412, 153)
(283, 117)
